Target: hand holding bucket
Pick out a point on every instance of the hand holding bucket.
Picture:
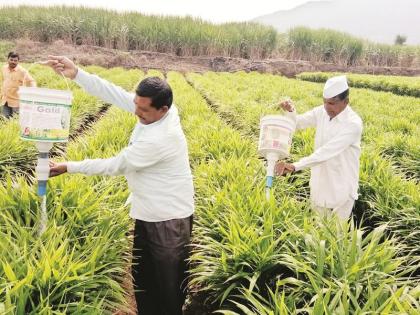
(61, 65)
(287, 105)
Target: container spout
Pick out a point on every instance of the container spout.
(42, 188)
(271, 163)
(272, 158)
(42, 168)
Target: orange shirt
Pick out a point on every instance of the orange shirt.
(12, 79)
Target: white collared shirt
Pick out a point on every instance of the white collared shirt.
(155, 163)
(335, 162)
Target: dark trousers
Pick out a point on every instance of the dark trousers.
(159, 269)
(9, 111)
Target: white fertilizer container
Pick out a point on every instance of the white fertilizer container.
(276, 135)
(44, 114)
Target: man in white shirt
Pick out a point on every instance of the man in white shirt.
(335, 163)
(156, 166)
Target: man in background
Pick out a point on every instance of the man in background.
(13, 76)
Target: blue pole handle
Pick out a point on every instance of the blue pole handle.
(269, 181)
(42, 188)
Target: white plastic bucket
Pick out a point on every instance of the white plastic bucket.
(276, 133)
(44, 114)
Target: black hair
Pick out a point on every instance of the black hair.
(343, 95)
(13, 54)
(158, 90)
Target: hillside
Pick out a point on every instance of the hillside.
(376, 20)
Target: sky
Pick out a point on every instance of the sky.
(217, 11)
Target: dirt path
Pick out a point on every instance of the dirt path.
(93, 55)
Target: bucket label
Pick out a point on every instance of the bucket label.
(275, 137)
(44, 121)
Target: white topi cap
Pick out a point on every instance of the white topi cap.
(335, 86)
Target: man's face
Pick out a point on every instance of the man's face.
(146, 113)
(334, 106)
(13, 62)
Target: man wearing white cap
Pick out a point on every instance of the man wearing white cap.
(335, 163)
